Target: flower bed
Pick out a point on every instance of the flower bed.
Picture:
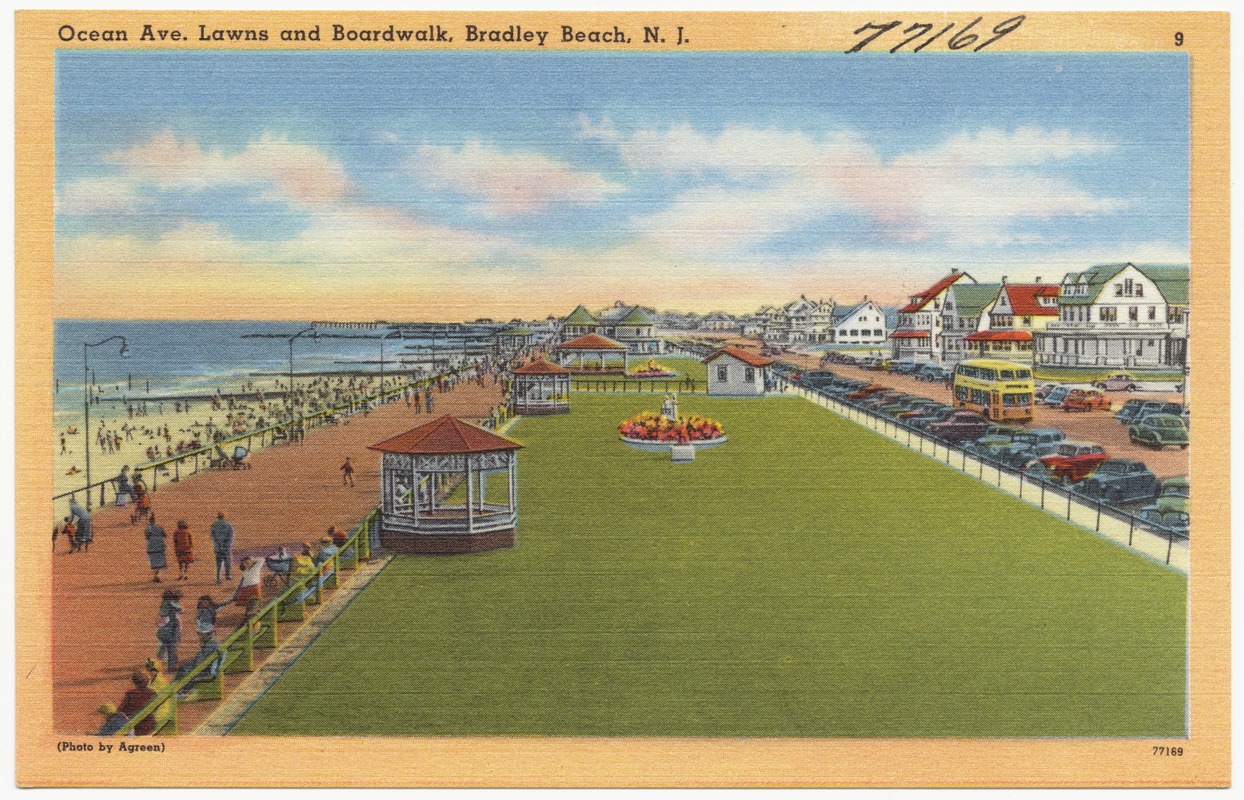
(652, 370)
(649, 426)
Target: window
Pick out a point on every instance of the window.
(723, 373)
(1118, 290)
(1027, 322)
(749, 375)
(1127, 287)
(1109, 314)
(878, 332)
(1140, 290)
(1153, 312)
(1133, 313)
(855, 333)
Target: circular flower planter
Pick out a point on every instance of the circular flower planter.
(651, 446)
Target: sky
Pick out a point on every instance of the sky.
(457, 185)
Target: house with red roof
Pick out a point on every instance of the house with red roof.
(1018, 311)
(735, 372)
(918, 336)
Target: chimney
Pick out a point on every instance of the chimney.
(954, 270)
(1038, 279)
(1004, 280)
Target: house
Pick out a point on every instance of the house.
(965, 312)
(1119, 315)
(800, 320)
(918, 336)
(634, 329)
(863, 323)
(720, 321)
(735, 372)
(580, 322)
(1017, 312)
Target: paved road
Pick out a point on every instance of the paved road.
(104, 603)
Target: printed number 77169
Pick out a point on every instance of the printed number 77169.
(1162, 750)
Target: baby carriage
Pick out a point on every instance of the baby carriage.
(142, 502)
(278, 564)
(241, 458)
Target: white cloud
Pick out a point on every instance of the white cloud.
(507, 183)
(98, 195)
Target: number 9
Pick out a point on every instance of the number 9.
(1179, 39)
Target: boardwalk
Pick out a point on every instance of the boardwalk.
(104, 603)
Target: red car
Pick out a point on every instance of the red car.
(961, 426)
(1070, 462)
(1085, 400)
(870, 389)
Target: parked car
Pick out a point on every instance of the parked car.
(936, 415)
(885, 365)
(1070, 462)
(903, 405)
(1054, 397)
(906, 367)
(1129, 410)
(1176, 494)
(866, 391)
(1159, 430)
(876, 402)
(920, 409)
(845, 386)
(1085, 400)
(961, 426)
(1176, 522)
(1121, 382)
(1041, 391)
(1031, 444)
(1119, 480)
(932, 372)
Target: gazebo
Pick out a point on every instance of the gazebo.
(434, 489)
(512, 340)
(592, 344)
(541, 388)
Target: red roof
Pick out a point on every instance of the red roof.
(1023, 297)
(541, 367)
(910, 335)
(999, 336)
(591, 341)
(444, 436)
(751, 359)
(922, 299)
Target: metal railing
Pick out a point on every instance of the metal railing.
(1156, 541)
(259, 631)
(192, 461)
(638, 385)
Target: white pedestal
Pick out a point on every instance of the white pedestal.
(680, 453)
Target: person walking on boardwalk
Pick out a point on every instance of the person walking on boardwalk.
(222, 545)
(82, 524)
(157, 553)
(183, 546)
(347, 473)
(168, 628)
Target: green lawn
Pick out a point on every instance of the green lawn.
(808, 578)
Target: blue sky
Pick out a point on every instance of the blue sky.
(455, 185)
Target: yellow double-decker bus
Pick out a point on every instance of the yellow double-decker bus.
(1000, 390)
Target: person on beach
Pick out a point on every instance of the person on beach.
(157, 552)
(82, 525)
(183, 547)
(222, 546)
(347, 473)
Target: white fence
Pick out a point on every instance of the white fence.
(1111, 523)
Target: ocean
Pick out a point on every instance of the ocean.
(188, 358)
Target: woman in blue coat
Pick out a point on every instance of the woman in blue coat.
(157, 553)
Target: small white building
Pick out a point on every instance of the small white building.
(734, 372)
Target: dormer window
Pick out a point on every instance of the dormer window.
(1140, 290)
(1118, 290)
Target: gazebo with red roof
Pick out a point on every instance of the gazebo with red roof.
(541, 388)
(434, 489)
(592, 344)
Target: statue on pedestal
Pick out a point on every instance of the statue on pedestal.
(669, 407)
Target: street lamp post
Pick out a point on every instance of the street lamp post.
(388, 335)
(86, 402)
(290, 392)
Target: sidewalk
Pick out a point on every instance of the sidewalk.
(104, 603)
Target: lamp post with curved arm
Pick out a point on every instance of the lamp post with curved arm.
(389, 335)
(86, 402)
(291, 370)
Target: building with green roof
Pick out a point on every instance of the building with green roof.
(965, 311)
(580, 322)
(1127, 315)
(632, 327)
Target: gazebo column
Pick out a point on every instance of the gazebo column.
(513, 470)
(470, 484)
(483, 488)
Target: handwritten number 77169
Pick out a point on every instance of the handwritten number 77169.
(965, 37)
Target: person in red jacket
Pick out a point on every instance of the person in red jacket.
(136, 700)
(183, 546)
